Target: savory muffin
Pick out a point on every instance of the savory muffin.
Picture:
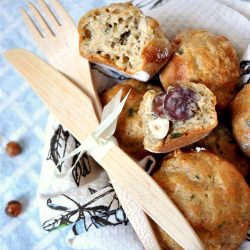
(221, 142)
(129, 131)
(211, 194)
(240, 113)
(120, 36)
(182, 115)
(200, 56)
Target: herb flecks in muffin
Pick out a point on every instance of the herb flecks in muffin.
(221, 225)
(175, 135)
(130, 112)
(179, 52)
(248, 122)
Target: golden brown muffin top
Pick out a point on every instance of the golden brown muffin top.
(201, 56)
(211, 194)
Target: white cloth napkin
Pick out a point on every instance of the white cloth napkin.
(82, 197)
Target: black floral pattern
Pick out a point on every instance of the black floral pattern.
(248, 237)
(245, 69)
(90, 214)
(58, 146)
(82, 167)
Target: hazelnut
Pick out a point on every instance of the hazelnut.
(13, 208)
(13, 148)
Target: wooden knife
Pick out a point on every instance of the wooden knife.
(75, 111)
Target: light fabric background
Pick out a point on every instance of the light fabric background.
(23, 118)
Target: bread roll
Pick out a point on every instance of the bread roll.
(203, 57)
(240, 112)
(129, 132)
(211, 194)
(119, 35)
(179, 117)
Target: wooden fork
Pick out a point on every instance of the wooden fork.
(59, 43)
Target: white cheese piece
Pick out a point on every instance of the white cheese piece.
(159, 127)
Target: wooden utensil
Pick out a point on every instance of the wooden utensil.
(59, 42)
(73, 108)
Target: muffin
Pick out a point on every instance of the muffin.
(129, 132)
(203, 57)
(240, 113)
(119, 35)
(182, 115)
(211, 194)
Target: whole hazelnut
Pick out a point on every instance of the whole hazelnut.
(13, 148)
(13, 208)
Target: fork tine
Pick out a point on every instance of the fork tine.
(49, 13)
(31, 25)
(62, 13)
(41, 21)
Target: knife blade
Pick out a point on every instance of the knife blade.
(75, 111)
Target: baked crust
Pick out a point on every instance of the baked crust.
(129, 132)
(240, 113)
(138, 49)
(211, 194)
(200, 56)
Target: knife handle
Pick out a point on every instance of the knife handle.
(152, 199)
(137, 218)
